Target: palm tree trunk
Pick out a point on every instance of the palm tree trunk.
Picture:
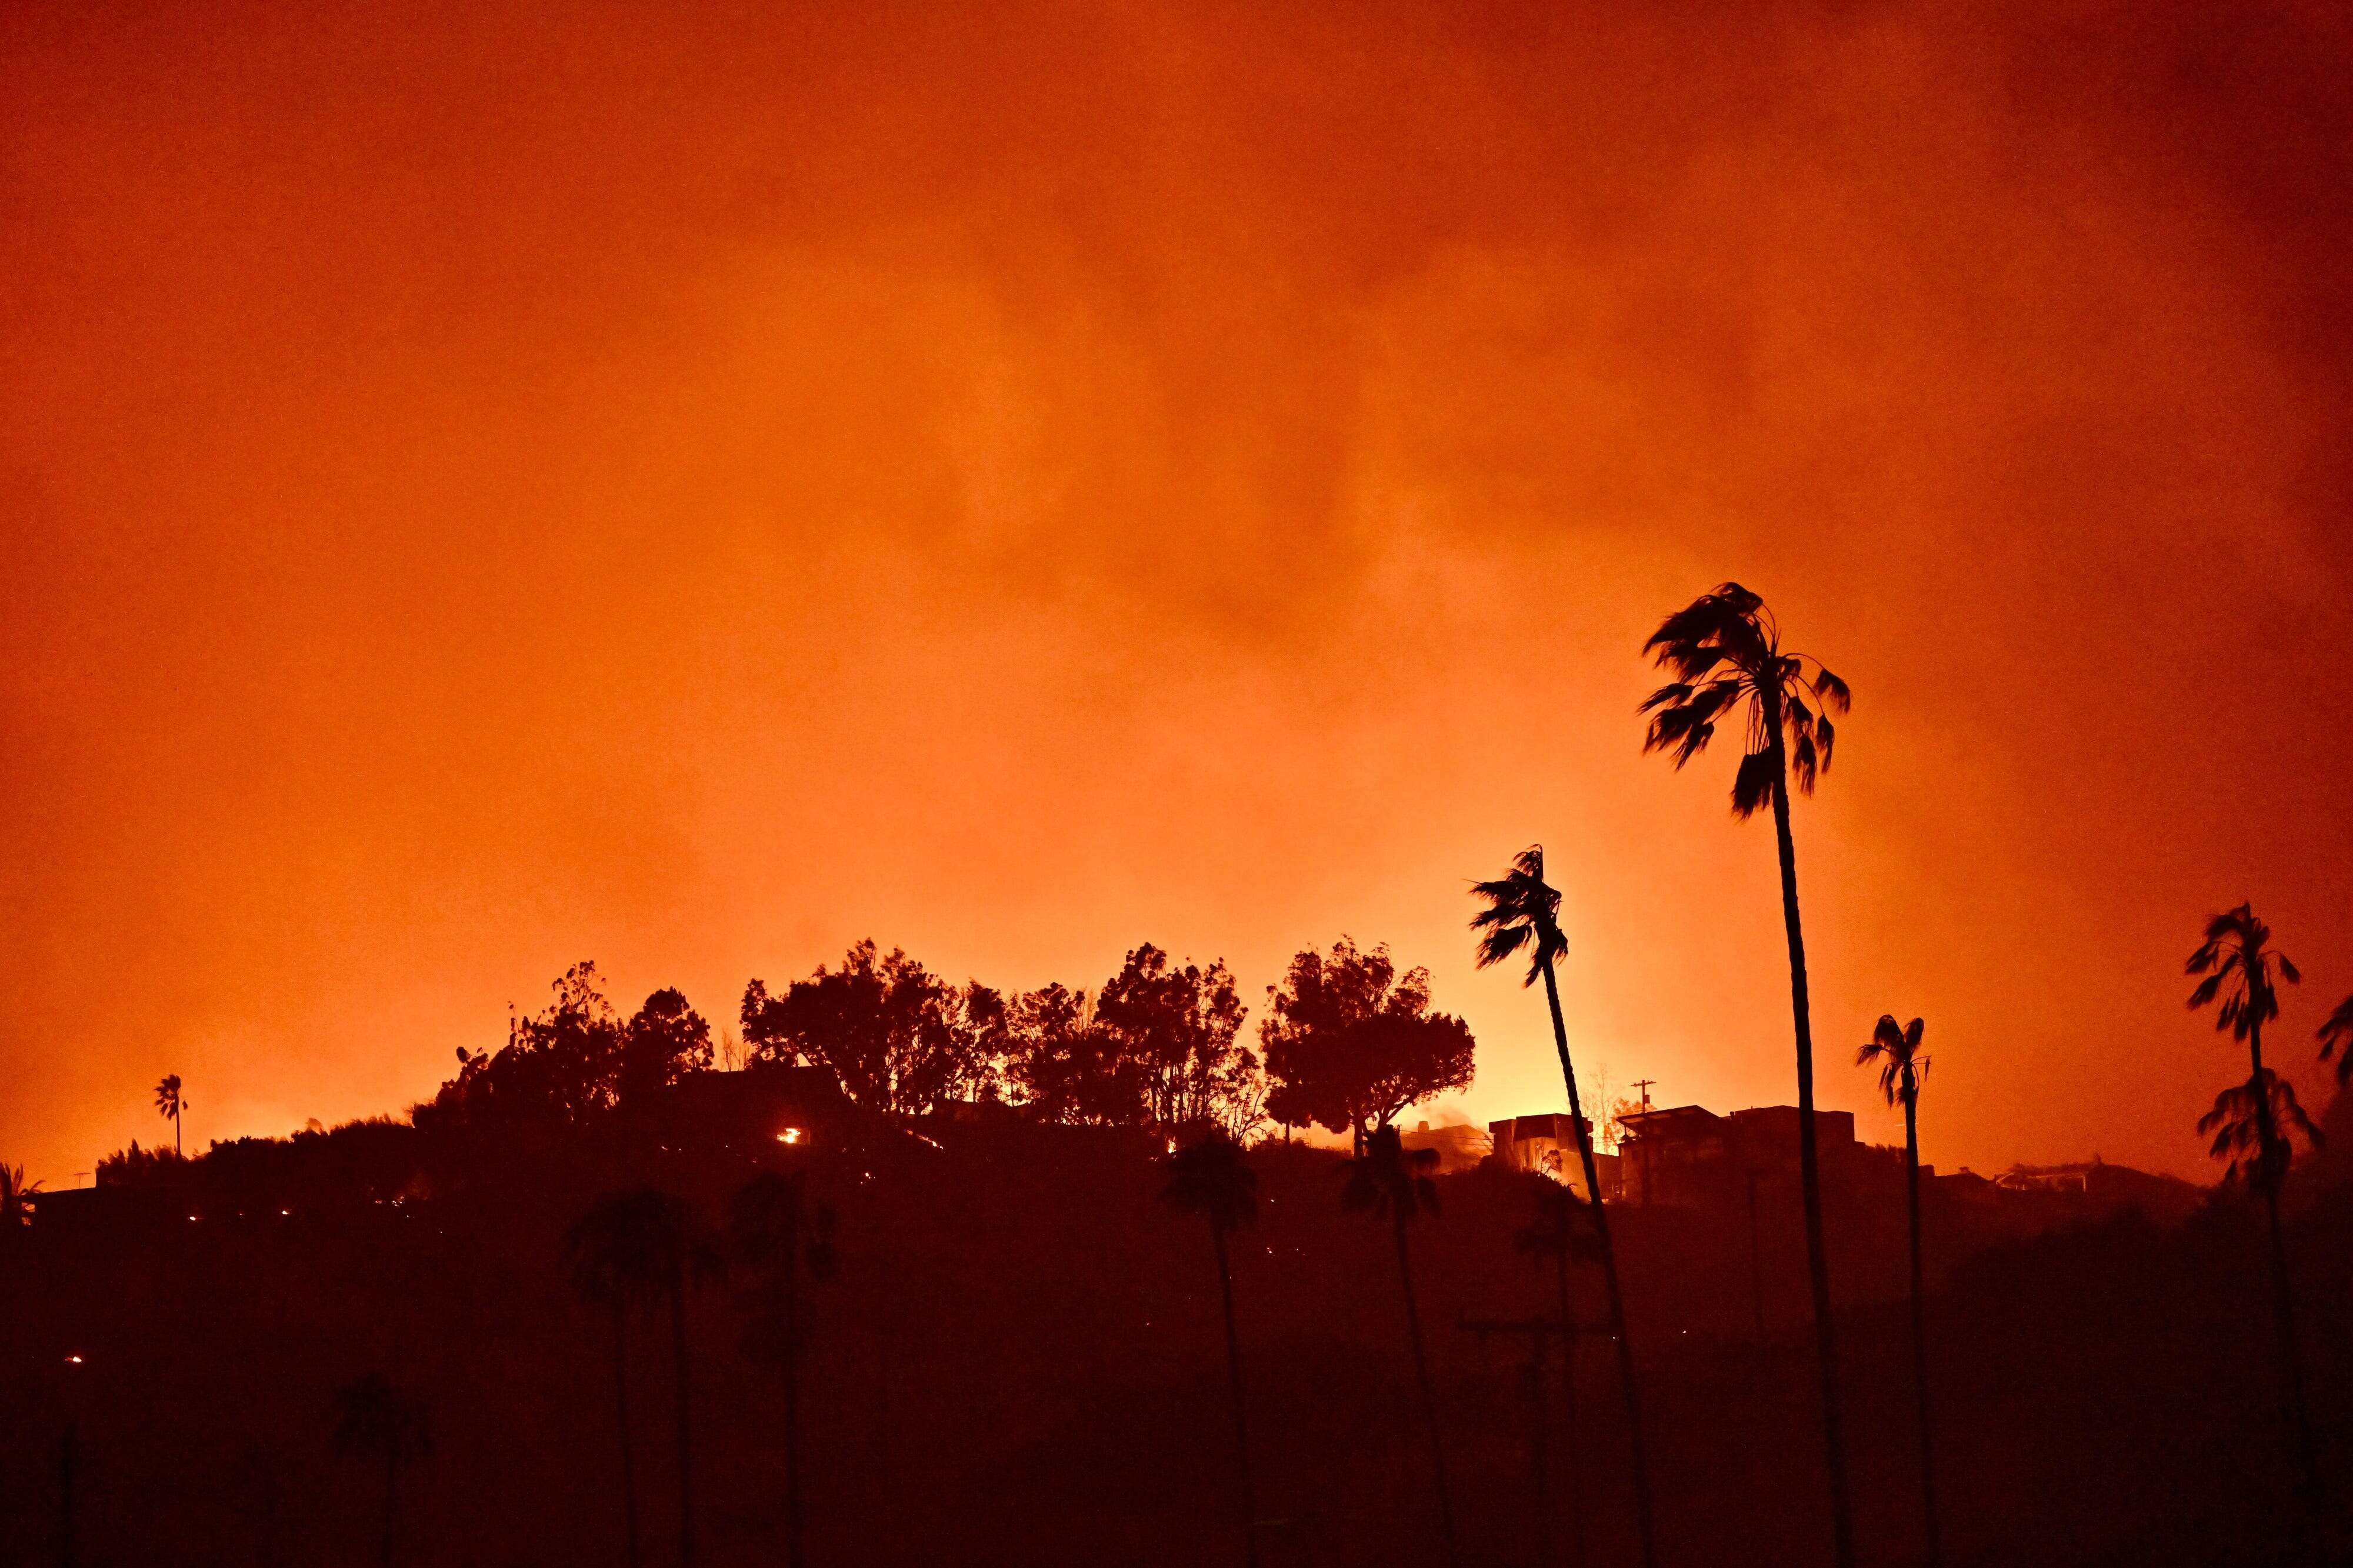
(1234, 1387)
(390, 1497)
(1545, 1556)
(685, 1425)
(621, 1409)
(1638, 1450)
(1428, 1399)
(793, 1557)
(1818, 1266)
(1920, 1327)
(2291, 1357)
(1570, 1459)
(66, 1495)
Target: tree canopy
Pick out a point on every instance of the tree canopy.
(1350, 1042)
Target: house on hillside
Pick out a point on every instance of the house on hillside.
(1460, 1146)
(1688, 1156)
(748, 1107)
(1546, 1144)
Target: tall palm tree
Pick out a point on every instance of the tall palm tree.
(611, 1254)
(169, 1104)
(373, 1420)
(1391, 1179)
(779, 1237)
(1524, 912)
(1723, 650)
(1210, 1178)
(1895, 1048)
(1563, 1232)
(2241, 967)
(653, 1243)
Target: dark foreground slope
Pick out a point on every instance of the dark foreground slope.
(1019, 1362)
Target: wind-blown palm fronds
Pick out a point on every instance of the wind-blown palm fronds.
(1723, 651)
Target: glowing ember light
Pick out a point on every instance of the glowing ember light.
(73, 1361)
(789, 1135)
(1172, 1145)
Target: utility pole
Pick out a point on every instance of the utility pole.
(1644, 1085)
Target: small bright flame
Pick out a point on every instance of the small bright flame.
(73, 1361)
(192, 1219)
(789, 1135)
(1172, 1145)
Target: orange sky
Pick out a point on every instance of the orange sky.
(487, 490)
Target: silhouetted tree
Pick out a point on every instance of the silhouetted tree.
(561, 1066)
(1563, 1231)
(779, 1237)
(1895, 1048)
(1723, 650)
(880, 1024)
(2335, 1036)
(1210, 1178)
(1177, 1027)
(1349, 1042)
(169, 1104)
(613, 1254)
(643, 1245)
(2241, 967)
(1392, 1181)
(16, 1199)
(1523, 911)
(373, 1420)
(1064, 1066)
(978, 1021)
(663, 1042)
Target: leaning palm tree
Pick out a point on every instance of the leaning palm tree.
(1391, 1180)
(1210, 1178)
(612, 1254)
(780, 1238)
(1524, 912)
(2337, 1033)
(169, 1104)
(373, 1420)
(2241, 966)
(1723, 650)
(1895, 1048)
(1563, 1232)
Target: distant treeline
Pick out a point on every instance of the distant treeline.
(1347, 1041)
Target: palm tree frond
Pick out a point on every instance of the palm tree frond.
(1752, 786)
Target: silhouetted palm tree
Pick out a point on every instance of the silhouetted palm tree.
(1391, 1180)
(1895, 1048)
(169, 1104)
(1210, 1178)
(654, 1247)
(612, 1253)
(1563, 1231)
(16, 1199)
(2337, 1033)
(1723, 650)
(373, 1420)
(780, 1238)
(2241, 967)
(1523, 911)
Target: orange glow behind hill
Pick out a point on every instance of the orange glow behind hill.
(695, 491)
